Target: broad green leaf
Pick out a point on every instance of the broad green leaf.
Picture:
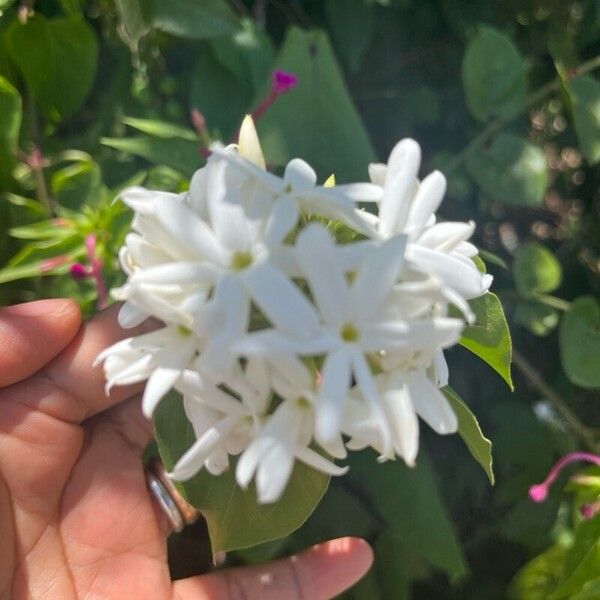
(582, 561)
(493, 259)
(536, 270)
(409, 503)
(235, 519)
(579, 339)
(248, 54)
(538, 318)
(489, 337)
(178, 154)
(511, 170)
(57, 58)
(393, 568)
(351, 26)
(133, 20)
(584, 93)
(469, 430)
(161, 129)
(10, 123)
(192, 19)
(316, 120)
(537, 579)
(493, 75)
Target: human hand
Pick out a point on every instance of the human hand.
(76, 518)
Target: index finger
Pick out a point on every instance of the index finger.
(73, 370)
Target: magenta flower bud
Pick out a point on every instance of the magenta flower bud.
(539, 492)
(78, 271)
(283, 82)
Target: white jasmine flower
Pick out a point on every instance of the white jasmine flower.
(438, 249)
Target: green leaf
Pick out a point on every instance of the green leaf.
(10, 124)
(493, 73)
(537, 579)
(511, 170)
(579, 339)
(536, 270)
(489, 337)
(57, 58)
(582, 561)
(161, 129)
(175, 153)
(493, 259)
(352, 28)
(584, 93)
(235, 519)
(469, 430)
(76, 184)
(409, 503)
(537, 317)
(590, 591)
(315, 120)
(228, 75)
(192, 19)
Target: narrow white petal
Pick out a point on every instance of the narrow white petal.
(177, 273)
(300, 175)
(159, 383)
(248, 143)
(402, 169)
(426, 202)
(377, 173)
(316, 255)
(313, 459)
(376, 277)
(335, 382)
(361, 192)
(431, 405)
(282, 220)
(131, 316)
(281, 301)
(445, 237)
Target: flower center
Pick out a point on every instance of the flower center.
(349, 333)
(241, 260)
(303, 403)
(184, 331)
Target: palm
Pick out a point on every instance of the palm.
(73, 497)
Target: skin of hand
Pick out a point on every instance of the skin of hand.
(76, 519)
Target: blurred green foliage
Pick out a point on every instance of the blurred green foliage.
(96, 95)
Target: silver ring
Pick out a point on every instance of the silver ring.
(165, 501)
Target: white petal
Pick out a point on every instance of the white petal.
(282, 220)
(193, 460)
(377, 173)
(300, 175)
(403, 419)
(402, 169)
(376, 277)
(360, 192)
(281, 301)
(131, 316)
(159, 383)
(198, 193)
(431, 404)
(335, 382)
(446, 236)
(426, 202)
(177, 273)
(315, 253)
(141, 200)
(313, 459)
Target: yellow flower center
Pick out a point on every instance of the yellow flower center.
(349, 333)
(241, 260)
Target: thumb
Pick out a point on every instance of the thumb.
(32, 334)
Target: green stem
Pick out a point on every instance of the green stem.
(533, 99)
(536, 380)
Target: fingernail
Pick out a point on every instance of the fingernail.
(40, 308)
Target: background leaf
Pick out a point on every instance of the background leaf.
(584, 93)
(536, 270)
(10, 124)
(493, 75)
(57, 58)
(511, 170)
(580, 342)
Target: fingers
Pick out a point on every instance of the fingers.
(319, 573)
(73, 369)
(32, 334)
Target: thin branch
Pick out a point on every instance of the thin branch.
(536, 380)
(533, 99)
